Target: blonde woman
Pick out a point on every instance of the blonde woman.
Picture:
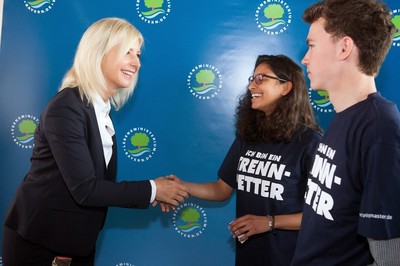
(61, 205)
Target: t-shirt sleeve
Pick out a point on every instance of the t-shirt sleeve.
(227, 170)
(312, 140)
(380, 208)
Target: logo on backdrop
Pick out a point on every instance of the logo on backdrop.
(396, 21)
(124, 264)
(23, 130)
(320, 101)
(189, 220)
(139, 144)
(273, 16)
(153, 11)
(39, 6)
(204, 81)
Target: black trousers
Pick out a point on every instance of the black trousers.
(17, 251)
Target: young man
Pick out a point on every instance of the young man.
(351, 214)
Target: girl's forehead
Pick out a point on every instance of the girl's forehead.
(263, 68)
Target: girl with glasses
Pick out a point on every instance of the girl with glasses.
(268, 163)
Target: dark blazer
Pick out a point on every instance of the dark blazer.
(62, 202)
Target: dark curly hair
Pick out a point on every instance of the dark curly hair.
(372, 29)
(293, 113)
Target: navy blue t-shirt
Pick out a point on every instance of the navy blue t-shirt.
(270, 179)
(354, 186)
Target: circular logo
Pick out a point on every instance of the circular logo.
(204, 81)
(39, 6)
(23, 131)
(273, 16)
(189, 220)
(320, 101)
(139, 144)
(153, 11)
(396, 22)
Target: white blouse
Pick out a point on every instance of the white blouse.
(106, 128)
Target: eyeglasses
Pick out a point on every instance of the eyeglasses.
(259, 78)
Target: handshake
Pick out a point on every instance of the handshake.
(170, 192)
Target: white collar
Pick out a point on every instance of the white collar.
(100, 106)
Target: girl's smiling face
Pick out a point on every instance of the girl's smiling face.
(270, 89)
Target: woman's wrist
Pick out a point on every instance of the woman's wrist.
(271, 223)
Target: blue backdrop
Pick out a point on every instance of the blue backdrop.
(189, 126)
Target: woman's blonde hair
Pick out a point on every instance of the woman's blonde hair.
(86, 72)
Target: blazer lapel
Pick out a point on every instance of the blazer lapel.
(112, 165)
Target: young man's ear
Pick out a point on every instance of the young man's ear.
(346, 46)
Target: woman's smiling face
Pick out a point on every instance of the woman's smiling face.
(266, 95)
(119, 71)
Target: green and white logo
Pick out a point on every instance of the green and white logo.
(320, 101)
(139, 144)
(153, 11)
(23, 131)
(39, 6)
(396, 22)
(189, 219)
(273, 16)
(204, 81)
